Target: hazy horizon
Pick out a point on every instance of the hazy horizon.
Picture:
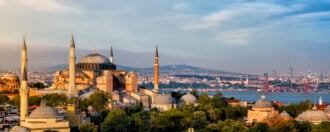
(231, 35)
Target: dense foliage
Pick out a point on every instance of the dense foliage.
(3, 99)
(88, 127)
(295, 109)
(97, 100)
(211, 114)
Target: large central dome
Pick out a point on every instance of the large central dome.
(95, 61)
(95, 58)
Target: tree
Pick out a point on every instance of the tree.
(115, 121)
(99, 100)
(55, 99)
(284, 126)
(217, 101)
(227, 126)
(199, 119)
(34, 100)
(296, 109)
(303, 126)
(15, 101)
(38, 85)
(88, 127)
(133, 109)
(187, 108)
(259, 127)
(231, 126)
(324, 126)
(3, 99)
(161, 122)
(176, 95)
(204, 99)
(140, 121)
(234, 112)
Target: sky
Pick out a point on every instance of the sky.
(250, 36)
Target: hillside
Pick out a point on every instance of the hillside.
(168, 69)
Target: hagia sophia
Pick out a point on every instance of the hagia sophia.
(93, 72)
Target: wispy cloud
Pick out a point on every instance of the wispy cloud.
(180, 6)
(235, 37)
(248, 11)
(49, 6)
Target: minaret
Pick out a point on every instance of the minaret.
(24, 90)
(247, 80)
(72, 91)
(320, 101)
(111, 55)
(156, 71)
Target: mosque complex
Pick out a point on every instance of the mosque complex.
(92, 73)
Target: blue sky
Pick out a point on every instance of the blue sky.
(234, 35)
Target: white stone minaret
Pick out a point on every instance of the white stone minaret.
(72, 91)
(111, 55)
(247, 80)
(320, 101)
(24, 90)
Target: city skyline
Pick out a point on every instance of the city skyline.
(250, 37)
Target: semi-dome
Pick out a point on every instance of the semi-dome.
(263, 103)
(188, 99)
(95, 58)
(313, 115)
(163, 99)
(285, 114)
(43, 112)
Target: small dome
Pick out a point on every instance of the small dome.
(95, 58)
(19, 129)
(188, 99)
(285, 114)
(313, 115)
(163, 99)
(43, 112)
(263, 104)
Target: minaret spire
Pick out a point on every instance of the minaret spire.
(111, 55)
(24, 90)
(24, 43)
(72, 91)
(156, 71)
(156, 54)
(72, 44)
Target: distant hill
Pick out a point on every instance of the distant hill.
(168, 69)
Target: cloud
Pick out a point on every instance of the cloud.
(180, 6)
(248, 11)
(48, 6)
(235, 37)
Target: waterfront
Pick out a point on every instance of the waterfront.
(285, 98)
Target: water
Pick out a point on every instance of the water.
(285, 98)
